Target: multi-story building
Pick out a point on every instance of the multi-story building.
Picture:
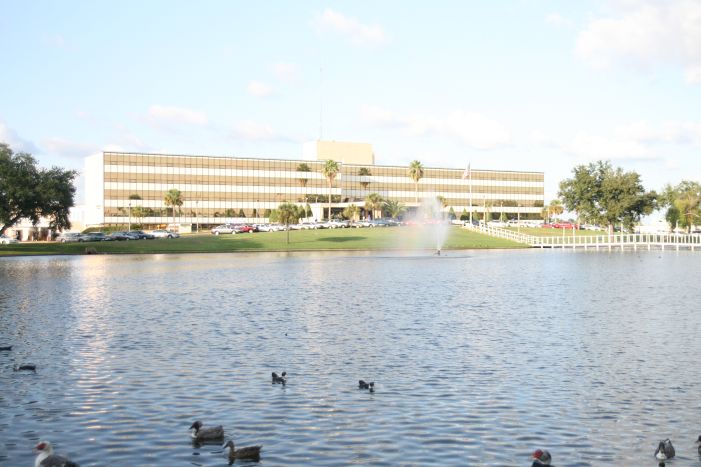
(126, 187)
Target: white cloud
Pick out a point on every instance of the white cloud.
(258, 89)
(645, 34)
(18, 144)
(472, 129)
(161, 114)
(594, 147)
(68, 149)
(350, 28)
(285, 72)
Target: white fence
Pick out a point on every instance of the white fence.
(598, 242)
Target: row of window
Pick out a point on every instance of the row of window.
(204, 162)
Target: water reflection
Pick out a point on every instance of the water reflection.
(477, 357)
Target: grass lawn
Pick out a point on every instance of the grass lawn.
(390, 238)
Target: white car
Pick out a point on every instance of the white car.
(223, 229)
(5, 240)
(162, 233)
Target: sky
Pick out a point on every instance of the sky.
(533, 85)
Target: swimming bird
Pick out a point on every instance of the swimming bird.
(664, 450)
(698, 442)
(541, 457)
(47, 458)
(280, 379)
(363, 385)
(5, 348)
(26, 367)
(200, 434)
(251, 453)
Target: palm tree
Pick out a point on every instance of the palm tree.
(416, 172)
(288, 213)
(133, 196)
(364, 172)
(555, 208)
(173, 198)
(330, 170)
(303, 168)
(394, 208)
(350, 211)
(374, 202)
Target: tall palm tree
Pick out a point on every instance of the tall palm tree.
(364, 172)
(416, 173)
(303, 168)
(173, 198)
(374, 202)
(394, 208)
(330, 170)
(555, 208)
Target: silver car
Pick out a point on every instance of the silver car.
(223, 229)
(5, 240)
(162, 233)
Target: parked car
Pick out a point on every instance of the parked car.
(163, 233)
(67, 237)
(140, 234)
(223, 229)
(120, 236)
(243, 228)
(338, 224)
(96, 237)
(5, 240)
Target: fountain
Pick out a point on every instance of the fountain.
(430, 217)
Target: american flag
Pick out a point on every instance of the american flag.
(466, 173)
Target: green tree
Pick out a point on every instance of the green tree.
(364, 172)
(173, 198)
(416, 173)
(601, 194)
(330, 171)
(350, 211)
(288, 213)
(683, 204)
(303, 167)
(374, 203)
(464, 215)
(30, 192)
(394, 208)
(451, 214)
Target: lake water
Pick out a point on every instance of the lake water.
(478, 358)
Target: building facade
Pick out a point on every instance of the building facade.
(130, 187)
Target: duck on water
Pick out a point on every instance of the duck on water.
(201, 434)
(47, 458)
(251, 453)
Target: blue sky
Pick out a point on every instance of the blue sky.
(521, 85)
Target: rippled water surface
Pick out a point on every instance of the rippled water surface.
(477, 357)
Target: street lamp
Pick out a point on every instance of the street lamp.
(129, 215)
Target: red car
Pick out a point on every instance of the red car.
(243, 229)
(565, 225)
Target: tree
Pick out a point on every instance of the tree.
(600, 194)
(374, 203)
(394, 208)
(364, 172)
(173, 198)
(29, 192)
(330, 170)
(451, 213)
(553, 209)
(683, 204)
(303, 168)
(350, 211)
(288, 213)
(416, 173)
